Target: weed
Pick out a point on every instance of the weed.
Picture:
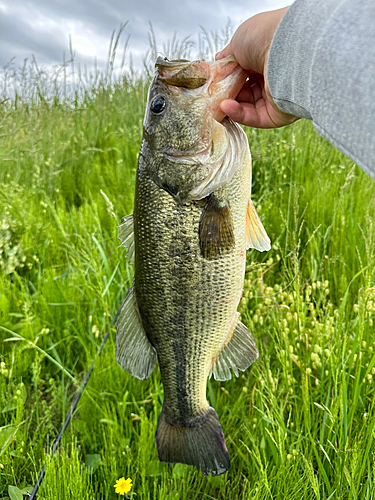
(299, 424)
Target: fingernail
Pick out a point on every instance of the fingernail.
(217, 56)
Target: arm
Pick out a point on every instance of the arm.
(320, 66)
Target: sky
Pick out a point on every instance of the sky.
(42, 28)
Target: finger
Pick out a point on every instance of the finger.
(246, 94)
(253, 77)
(247, 114)
(257, 92)
(260, 79)
(240, 112)
(251, 93)
(224, 53)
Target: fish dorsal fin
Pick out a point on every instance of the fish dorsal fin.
(216, 235)
(134, 351)
(127, 236)
(256, 236)
(238, 352)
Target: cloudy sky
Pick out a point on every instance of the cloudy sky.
(42, 27)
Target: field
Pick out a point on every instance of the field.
(298, 424)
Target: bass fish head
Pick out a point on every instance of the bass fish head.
(186, 138)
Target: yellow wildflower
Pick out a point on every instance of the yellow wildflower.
(123, 485)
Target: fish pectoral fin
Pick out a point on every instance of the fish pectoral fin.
(216, 234)
(238, 352)
(127, 236)
(256, 236)
(134, 352)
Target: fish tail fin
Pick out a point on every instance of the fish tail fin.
(200, 443)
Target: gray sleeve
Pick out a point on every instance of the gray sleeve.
(321, 66)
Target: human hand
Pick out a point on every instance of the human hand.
(250, 45)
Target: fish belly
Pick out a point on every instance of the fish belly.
(187, 303)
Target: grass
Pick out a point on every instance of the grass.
(299, 424)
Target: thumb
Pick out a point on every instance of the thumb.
(227, 51)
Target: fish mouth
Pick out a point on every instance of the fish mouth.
(182, 73)
(224, 79)
(220, 80)
(195, 74)
(224, 68)
(228, 78)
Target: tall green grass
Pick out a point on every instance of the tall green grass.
(299, 424)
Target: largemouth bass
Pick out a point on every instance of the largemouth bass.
(192, 223)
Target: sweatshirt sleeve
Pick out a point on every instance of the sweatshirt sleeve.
(321, 66)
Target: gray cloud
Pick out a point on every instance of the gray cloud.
(42, 27)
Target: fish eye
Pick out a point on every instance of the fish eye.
(157, 105)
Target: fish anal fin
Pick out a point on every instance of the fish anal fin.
(238, 352)
(216, 234)
(134, 352)
(256, 236)
(127, 236)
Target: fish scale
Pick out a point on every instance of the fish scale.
(191, 301)
(193, 221)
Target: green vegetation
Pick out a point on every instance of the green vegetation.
(298, 424)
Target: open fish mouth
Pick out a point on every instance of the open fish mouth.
(225, 68)
(228, 79)
(221, 79)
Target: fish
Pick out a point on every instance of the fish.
(192, 222)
